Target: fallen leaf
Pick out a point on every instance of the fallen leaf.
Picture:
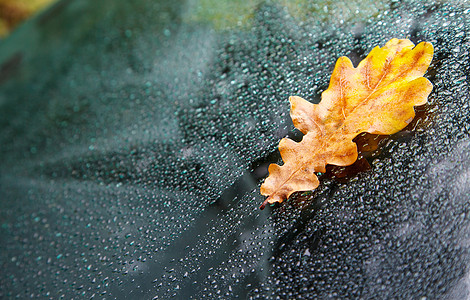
(376, 97)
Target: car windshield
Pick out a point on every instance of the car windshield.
(135, 135)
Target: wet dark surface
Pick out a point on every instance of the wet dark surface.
(135, 135)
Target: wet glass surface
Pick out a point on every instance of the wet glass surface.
(135, 135)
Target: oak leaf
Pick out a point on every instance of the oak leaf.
(376, 97)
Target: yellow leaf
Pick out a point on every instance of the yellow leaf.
(376, 97)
